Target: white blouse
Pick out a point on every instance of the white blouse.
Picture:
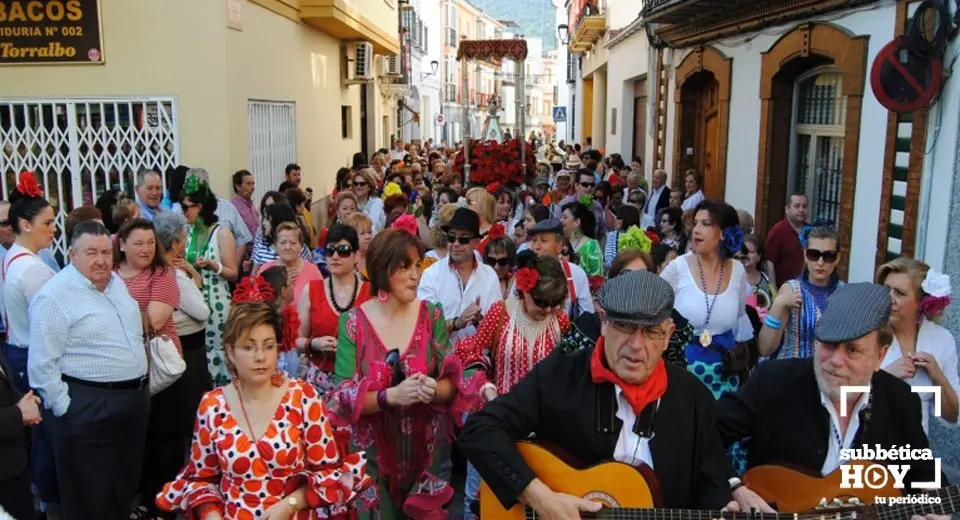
(191, 317)
(729, 310)
(23, 277)
(939, 343)
(692, 201)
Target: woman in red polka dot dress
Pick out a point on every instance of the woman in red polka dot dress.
(515, 335)
(262, 446)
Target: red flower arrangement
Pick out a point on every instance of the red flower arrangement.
(527, 279)
(492, 162)
(28, 185)
(497, 231)
(291, 329)
(254, 289)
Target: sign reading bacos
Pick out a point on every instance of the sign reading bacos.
(50, 31)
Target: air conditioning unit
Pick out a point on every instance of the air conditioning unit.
(358, 62)
(392, 66)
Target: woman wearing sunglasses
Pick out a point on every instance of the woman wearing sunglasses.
(515, 335)
(322, 302)
(788, 326)
(501, 255)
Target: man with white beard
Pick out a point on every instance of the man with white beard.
(790, 410)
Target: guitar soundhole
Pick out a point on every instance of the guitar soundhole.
(604, 498)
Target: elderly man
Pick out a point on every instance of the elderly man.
(149, 190)
(659, 197)
(599, 404)
(88, 363)
(791, 409)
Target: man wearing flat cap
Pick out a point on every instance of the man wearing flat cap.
(546, 239)
(617, 401)
(790, 409)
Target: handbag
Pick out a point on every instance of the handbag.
(165, 362)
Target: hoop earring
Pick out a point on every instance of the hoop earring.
(382, 296)
(277, 379)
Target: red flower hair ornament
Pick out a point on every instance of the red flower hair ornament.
(291, 329)
(28, 185)
(406, 222)
(654, 238)
(527, 279)
(254, 289)
(493, 187)
(497, 231)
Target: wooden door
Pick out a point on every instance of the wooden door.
(639, 129)
(708, 138)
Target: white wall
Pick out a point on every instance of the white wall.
(744, 135)
(627, 62)
(430, 87)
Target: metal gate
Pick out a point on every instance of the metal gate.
(273, 143)
(79, 148)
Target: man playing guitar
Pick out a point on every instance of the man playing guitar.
(790, 409)
(616, 401)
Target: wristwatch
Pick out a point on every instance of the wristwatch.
(293, 502)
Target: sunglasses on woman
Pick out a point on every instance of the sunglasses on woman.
(829, 257)
(543, 304)
(462, 240)
(495, 262)
(342, 250)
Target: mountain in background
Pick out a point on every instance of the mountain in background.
(536, 18)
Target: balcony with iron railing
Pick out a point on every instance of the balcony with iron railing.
(590, 27)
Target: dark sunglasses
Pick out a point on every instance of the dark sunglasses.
(359, 184)
(543, 304)
(587, 184)
(502, 262)
(4, 223)
(829, 257)
(343, 250)
(462, 240)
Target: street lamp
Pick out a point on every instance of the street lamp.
(563, 31)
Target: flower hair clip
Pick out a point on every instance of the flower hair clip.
(805, 230)
(586, 200)
(291, 329)
(937, 298)
(633, 238)
(493, 188)
(497, 231)
(406, 222)
(193, 185)
(28, 185)
(732, 239)
(254, 289)
(527, 279)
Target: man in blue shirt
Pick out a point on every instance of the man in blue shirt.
(149, 193)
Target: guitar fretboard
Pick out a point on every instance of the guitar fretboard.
(949, 499)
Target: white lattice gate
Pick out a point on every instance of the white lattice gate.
(273, 143)
(79, 148)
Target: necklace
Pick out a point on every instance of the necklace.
(705, 337)
(333, 295)
(244, 410)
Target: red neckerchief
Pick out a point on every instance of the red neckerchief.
(639, 396)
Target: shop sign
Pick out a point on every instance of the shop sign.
(50, 31)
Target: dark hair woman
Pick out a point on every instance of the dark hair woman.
(212, 251)
(627, 216)
(670, 225)
(501, 255)
(241, 464)
(579, 225)
(398, 391)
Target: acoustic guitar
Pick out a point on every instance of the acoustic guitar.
(627, 493)
(793, 491)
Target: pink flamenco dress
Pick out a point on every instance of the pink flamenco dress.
(403, 443)
(242, 478)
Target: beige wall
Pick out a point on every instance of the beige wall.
(172, 55)
(276, 59)
(382, 13)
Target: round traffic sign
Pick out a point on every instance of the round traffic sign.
(441, 119)
(904, 80)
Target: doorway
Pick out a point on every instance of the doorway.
(640, 120)
(700, 132)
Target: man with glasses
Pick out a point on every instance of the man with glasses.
(461, 283)
(617, 401)
(585, 184)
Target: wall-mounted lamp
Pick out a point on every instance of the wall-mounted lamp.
(433, 70)
(563, 31)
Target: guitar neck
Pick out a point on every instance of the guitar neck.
(946, 502)
(632, 513)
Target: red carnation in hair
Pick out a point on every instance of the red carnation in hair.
(254, 289)
(527, 279)
(654, 238)
(497, 231)
(493, 187)
(28, 185)
(291, 329)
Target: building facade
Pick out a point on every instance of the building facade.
(252, 84)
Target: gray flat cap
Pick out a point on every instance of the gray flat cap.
(550, 225)
(852, 312)
(638, 297)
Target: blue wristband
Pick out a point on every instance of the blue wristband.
(772, 322)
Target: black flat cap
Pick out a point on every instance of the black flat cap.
(852, 312)
(550, 225)
(638, 297)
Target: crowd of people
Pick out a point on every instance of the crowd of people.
(237, 359)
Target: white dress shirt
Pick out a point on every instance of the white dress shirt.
(83, 332)
(24, 278)
(631, 448)
(832, 461)
(650, 210)
(441, 283)
(692, 201)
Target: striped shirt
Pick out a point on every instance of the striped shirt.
(264, 252)
(80, 331)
